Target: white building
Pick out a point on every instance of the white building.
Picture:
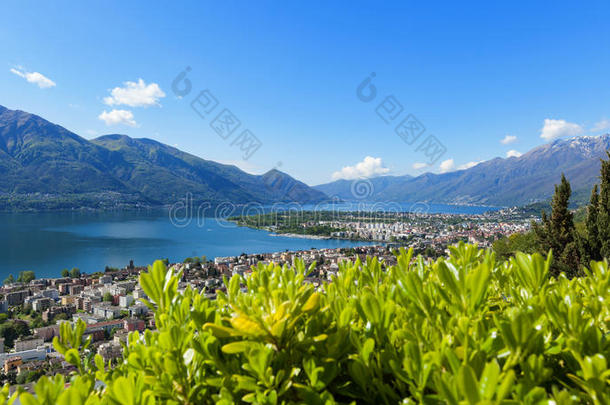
(125, 300)
(40, 304)
(39, 353)
(138, 293)
(52, 293)
(106, 311)
(240, 269)
(137, 309)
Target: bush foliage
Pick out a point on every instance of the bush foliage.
(464, 329)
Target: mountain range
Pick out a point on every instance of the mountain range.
(44, 164)
(360, 189)
(501, 182)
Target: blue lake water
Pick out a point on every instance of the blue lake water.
(50, 242)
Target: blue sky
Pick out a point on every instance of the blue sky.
(470, 73)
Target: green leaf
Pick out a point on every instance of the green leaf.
(72, 357)
(312, 303)
(367, 349)
(28, 399)
(468, 384)
(489, 380)
(99, 362)
(506, 385)
(235, 347)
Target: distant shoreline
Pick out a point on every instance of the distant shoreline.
(27, 204)
(302, 236)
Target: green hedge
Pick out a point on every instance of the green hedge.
(464, 329)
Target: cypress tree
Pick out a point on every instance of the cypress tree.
(562, 220)
(593, 245)
(603, 214)
(542, 233)
(558, 232)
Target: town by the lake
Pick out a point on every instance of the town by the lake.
(110, 301)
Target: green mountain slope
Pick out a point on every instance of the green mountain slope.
(37, 156)
(41, 161)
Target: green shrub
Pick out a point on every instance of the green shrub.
(461, 330)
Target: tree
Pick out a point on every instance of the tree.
(37, 321)
(26, 276)
(21, 377)
(61, 317)
(108, 297)
(110, 334)
(12, 330)
(593, 245)
(430, 252)
(506, 247)
(65, 273)
(9, 280)
(603, 219)
(75, 273)
(557, 233)
(596, 245)
(26, 309)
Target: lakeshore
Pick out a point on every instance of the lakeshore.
(296, 235)
(46, 243)
(420, 230)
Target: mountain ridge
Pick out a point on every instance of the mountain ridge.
(499, 181)
(38, 157)
(44, 165)
(348, 189)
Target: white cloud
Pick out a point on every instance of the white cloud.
(369, 167)
(135, 94)
(602, 125)
(419, 165)
(447, 165)
(468, 165)
(553, 129)
(115, 117)
(34, 77)
(513, 153)
(508, 139)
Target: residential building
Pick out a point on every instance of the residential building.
(28, 343)
(110, 351)
(40, 304)
(125, 300)
(17, 297)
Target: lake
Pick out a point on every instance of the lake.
(50, 242)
